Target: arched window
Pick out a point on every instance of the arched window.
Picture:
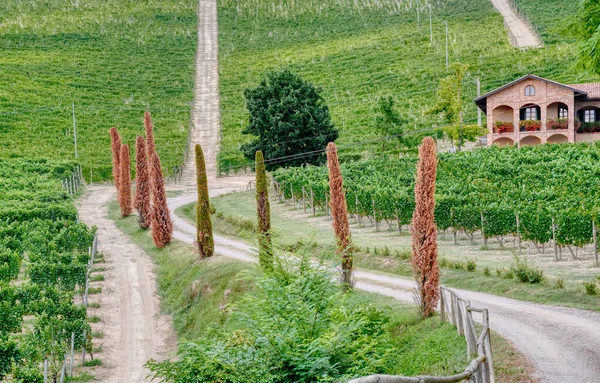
(529, 91)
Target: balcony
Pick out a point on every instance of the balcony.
(502, 127)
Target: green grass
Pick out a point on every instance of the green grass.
(548, 17)
(358, 53)
(112, 58)
(389, 252)
(192, 292)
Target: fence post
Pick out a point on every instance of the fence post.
(312, 202)
(357, 214)
(482, 231)
(72, 354)
(398, 222)
(46, 370)
(292, 191)
(554, 240)
(83, 348)
(304, 199)
(442, 305)
(62, 370)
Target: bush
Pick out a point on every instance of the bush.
(526, 273)
(591, 287)
(560, 283)
(296, 327)
(486, 271)
(471, 265)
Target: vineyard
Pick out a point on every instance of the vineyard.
(539, 193)
(358, 51)
(93, 65)
(44, 263)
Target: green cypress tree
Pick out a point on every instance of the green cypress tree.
(265, 247)
(206, 244)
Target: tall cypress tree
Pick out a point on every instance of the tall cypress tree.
(162, 226)
(339, 215)
(142, 184)
(424, 231)
(204, 236)
(115, 146)
(125, 181)
(265, 247)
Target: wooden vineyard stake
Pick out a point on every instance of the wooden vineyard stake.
(595, 243)
(375, 216)
(554, 240)
(482, 231)
(518, 235)
(304, 199)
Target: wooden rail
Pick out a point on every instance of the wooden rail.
(479, 348)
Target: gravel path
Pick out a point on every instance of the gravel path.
(523, 36)
(134, 329)
(563, 344)
(206, 117)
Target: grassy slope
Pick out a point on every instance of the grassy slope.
(112, 58)
(297, 232)
(548, 17)
(424, 347)
(358, 53)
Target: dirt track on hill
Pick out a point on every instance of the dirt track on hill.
(562, 343)
(134, 329)
(524, 36)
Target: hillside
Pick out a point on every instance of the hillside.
(359, 51)
(112, 58)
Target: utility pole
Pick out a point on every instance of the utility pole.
(478, 94)
(75, 131)
(447, 61)
(430, 25)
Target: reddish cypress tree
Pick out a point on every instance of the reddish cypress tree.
(115, 145)
(162, 226)
(125, 181)
(424, 231)
(150, 146)
(339, 214)
(142, 184)
(204, 235)
(263, 209)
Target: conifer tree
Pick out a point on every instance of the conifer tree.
(263, 208)
(115, 145)
(150, 145)
(339, 214)
(204, 236)
(125, 181)
(424, 231)
(162, 226)
(142, 184)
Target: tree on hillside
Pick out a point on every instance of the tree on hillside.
(204, 235)
(339, 215)
(149, 128)
(585, 26)
(450, 106)
(263, 209)
(389, 122)
(125, 181)
(115, 146)
(162, 226)
(142, 184)
(288, 117)
(424, 231)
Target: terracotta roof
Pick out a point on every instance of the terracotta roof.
(592, 89)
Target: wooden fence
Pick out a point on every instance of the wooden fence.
(459, 312)
(72, 183)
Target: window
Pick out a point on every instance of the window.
(562, 113)
(531, 113)
(529, 91)
(589, 115)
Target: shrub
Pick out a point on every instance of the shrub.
(486, 271)
(297, 327)
(591, 287)
(526, 273)
(471, 265)
(560, 283)
(204, 234)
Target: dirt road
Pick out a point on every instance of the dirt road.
(524, 35)
(134, 329)
(563, 344)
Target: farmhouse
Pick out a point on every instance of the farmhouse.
(533, 110)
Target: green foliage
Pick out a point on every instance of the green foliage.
(296, 327)
(206, 244)
(560, 283)
(288, 115)
(57, 250)
(537, 183)
(486, 271)
(263, 213)
(471, 265)
(584, 26)
(389, 122)
(591, 287)
(526, 273)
